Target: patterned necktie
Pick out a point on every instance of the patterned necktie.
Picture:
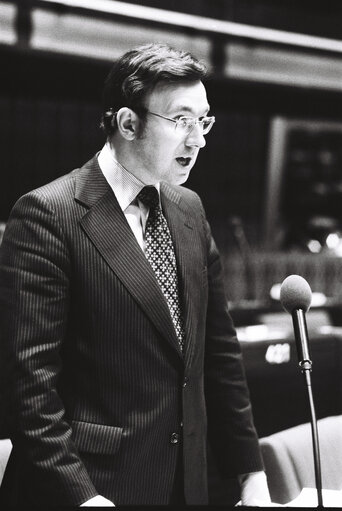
(161, 256)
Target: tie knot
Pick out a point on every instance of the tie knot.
(149, 196)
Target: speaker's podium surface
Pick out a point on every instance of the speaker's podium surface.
(276, 385)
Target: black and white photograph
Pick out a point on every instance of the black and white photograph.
(170, 254)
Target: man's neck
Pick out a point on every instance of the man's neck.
(123, 152)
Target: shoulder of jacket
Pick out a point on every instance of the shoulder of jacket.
(188, 195)
(58, 185)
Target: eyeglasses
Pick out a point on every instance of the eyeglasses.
(186, 124)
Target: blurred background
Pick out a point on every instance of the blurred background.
(271, 174)
(270, 177)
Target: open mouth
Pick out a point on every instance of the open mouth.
(184, 162)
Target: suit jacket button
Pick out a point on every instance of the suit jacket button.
(185, 381)
(174, 439)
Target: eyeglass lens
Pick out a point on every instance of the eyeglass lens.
(188, 123)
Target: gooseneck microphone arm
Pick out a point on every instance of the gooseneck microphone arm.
(295, 296)
(301, 336)
(315, 441)
(305, 363)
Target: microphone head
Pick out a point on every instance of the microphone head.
(295, 293)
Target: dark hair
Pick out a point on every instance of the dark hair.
(137, 72)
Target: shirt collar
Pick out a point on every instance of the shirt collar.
(124, 184)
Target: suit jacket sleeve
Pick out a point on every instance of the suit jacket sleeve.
(34, 304)
(231, 430)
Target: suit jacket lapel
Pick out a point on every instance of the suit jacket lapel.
(182, 229)
(107, 227)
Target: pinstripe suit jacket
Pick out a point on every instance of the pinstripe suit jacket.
(97, 383)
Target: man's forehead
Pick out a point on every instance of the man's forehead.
(187, 97)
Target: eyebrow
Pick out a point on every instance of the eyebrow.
(185, 108)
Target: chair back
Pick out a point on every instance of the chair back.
(289, 462)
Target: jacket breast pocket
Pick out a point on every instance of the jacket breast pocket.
(96, 438)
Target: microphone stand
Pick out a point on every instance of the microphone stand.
(305, 363)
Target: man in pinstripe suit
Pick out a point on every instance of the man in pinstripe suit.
(106, 406)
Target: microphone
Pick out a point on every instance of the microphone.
(295, 297)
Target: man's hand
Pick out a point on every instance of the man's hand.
(98, 501)
(254, 489)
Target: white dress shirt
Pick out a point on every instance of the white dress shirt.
(126, 188)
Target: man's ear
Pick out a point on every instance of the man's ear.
(128, 123)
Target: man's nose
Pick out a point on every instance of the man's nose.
(196, 138)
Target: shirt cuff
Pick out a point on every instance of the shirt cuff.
(254, 488)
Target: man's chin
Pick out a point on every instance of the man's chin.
(180, 181)
(181, 177)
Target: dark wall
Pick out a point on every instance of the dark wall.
(49, 119)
